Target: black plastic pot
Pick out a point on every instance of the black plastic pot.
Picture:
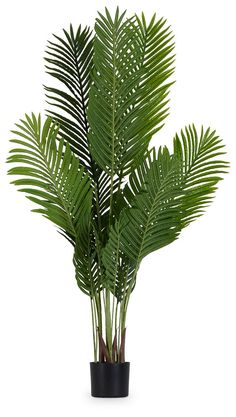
(109, 379)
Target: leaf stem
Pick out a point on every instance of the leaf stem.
(94, 330)
(108, 323)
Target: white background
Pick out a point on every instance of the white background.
(181, 326)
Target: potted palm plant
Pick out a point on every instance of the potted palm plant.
(89, 168)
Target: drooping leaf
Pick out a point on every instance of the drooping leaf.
(168, 193)
(202, 168)
(51, 175)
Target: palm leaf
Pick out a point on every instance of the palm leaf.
(87, 268)
(116, 49)
(119, 268)
(168, 193)
(51, 175)
(127, 99)
(152, 220)
(149, 108)
(202, 169)
(70, 60)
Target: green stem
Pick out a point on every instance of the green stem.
(116, 315)
(96, 325)
(123, 308)
(125, 303)
(121, 320)
(108, 323)
(94, 330)
(99, 310)
(113, 312)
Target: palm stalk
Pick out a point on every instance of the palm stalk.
(89, 168)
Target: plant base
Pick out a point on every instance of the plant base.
(109, 379)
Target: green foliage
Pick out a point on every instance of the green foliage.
(128, 96)
(201, 170)
(70, 61)
(167, 192)
(152, 220)
(52, 175)
(89, 169)
(119, 267)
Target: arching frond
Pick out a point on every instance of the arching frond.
(202, 168)
(51, 175)
(152, 221)
(116, 59)
(171, 192)
(128, 98)
(70, 60)
(147, 115)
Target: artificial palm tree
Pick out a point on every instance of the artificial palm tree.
(90, 171)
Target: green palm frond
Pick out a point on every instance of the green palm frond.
(119, 268)
(114, 78)
(128, 97)
(87, 271)
(137, 178)
(202, 168)
(168, 193)
(51, 175)
(70, 61)
(150, 109)
(152, 221)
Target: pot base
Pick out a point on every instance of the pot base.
(109, 379)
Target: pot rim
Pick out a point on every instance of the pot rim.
(109, 363)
